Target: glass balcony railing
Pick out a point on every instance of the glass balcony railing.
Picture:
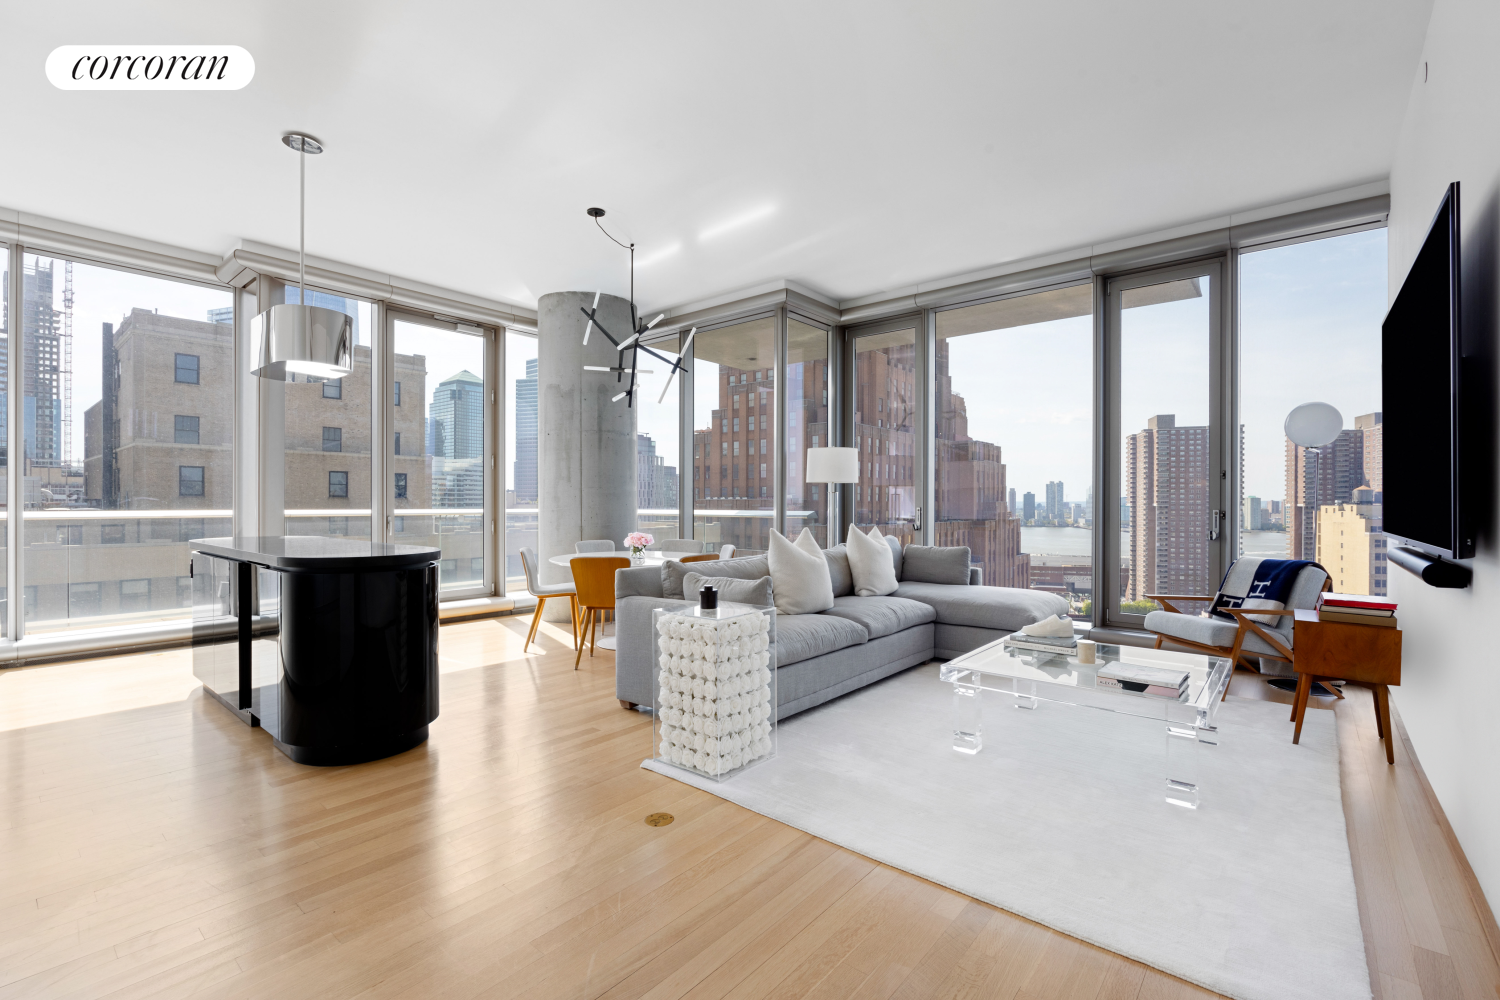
(97, 569)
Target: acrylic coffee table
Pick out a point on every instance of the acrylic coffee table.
(1034, 680)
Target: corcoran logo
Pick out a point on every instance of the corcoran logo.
(150, 67)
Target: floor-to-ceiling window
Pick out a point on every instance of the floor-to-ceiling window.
(807, 427)
(328, 436)
(734, 434)
(438, 447)
(1310, 316)
(521, 496)
(1014, 429)
(1169, 461)
(127, 388)
(883, 429)
(5, 524)
(658, 419)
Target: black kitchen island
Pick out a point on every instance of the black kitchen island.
(328, 644)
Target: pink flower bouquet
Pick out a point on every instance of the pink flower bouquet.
(637, 542)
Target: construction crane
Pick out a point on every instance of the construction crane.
(65, 361)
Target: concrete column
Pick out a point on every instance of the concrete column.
(586, 462)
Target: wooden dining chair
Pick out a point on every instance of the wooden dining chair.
(726, 551)
(706, 557)
(594, 580)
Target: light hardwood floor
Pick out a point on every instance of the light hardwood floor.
(153, 846)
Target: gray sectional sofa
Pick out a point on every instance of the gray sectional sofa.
(939, 610)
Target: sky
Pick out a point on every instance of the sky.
(1309, 331)
(1310, 316)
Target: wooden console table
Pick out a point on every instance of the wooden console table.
(1366, 654)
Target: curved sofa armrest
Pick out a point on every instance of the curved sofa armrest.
(976, 576)
(634, 669)
(638, 581)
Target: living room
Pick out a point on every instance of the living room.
(948, 501)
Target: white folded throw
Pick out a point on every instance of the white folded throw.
(1053, 626)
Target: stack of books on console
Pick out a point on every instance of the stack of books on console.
(1357, 609)
(1060, 645)
(1140, 678)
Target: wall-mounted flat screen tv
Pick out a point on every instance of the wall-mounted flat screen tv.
(1421, 394)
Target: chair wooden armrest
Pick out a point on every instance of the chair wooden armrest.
(1241, 616)
(1165, 600)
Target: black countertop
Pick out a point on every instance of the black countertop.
(316, 553)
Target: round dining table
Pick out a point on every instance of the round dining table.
(607, 641)
(652, 558)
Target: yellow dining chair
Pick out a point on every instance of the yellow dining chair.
(594, 582)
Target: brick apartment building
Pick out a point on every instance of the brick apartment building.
(1166, 484)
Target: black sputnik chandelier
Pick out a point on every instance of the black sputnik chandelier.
(631, 345)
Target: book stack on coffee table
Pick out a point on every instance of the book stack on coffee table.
(1357, 609)
(1059, 645)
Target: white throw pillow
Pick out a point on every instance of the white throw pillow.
(871, 562)
(800, 583)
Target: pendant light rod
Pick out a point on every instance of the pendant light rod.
(302, 223)
(303, 144)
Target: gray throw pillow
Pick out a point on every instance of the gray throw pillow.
(839, 571)
(895, 544)
(731, 590)
(746, 568)
(936, 564)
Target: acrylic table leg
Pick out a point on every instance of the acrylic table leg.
(1025, 693)
(968, 732)
(1182, 764)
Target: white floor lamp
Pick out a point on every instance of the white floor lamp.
(833, 466)
(1313, 426)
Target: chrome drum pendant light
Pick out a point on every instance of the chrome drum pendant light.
(295, 338)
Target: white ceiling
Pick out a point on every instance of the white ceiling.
(859, 146)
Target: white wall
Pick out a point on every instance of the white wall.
(1450, 692)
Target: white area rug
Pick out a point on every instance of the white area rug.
(1062, 819)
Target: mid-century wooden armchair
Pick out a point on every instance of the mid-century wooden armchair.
(1243, 639)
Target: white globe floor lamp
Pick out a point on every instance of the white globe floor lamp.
(833, 466)
(1313, 426)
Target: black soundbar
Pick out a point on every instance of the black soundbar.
(1434, 570)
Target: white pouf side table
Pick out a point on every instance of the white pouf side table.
(715, 687)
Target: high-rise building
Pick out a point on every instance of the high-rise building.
(655, 481)
(41, 383)
(1252, 513)
(1351, 546)
(733, 457)
(225, 315)
(975, 505)
(1327, 476)
(524, 467)
(1055, 502)
(1166, 479)
(1372, 429)
(457, 415)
